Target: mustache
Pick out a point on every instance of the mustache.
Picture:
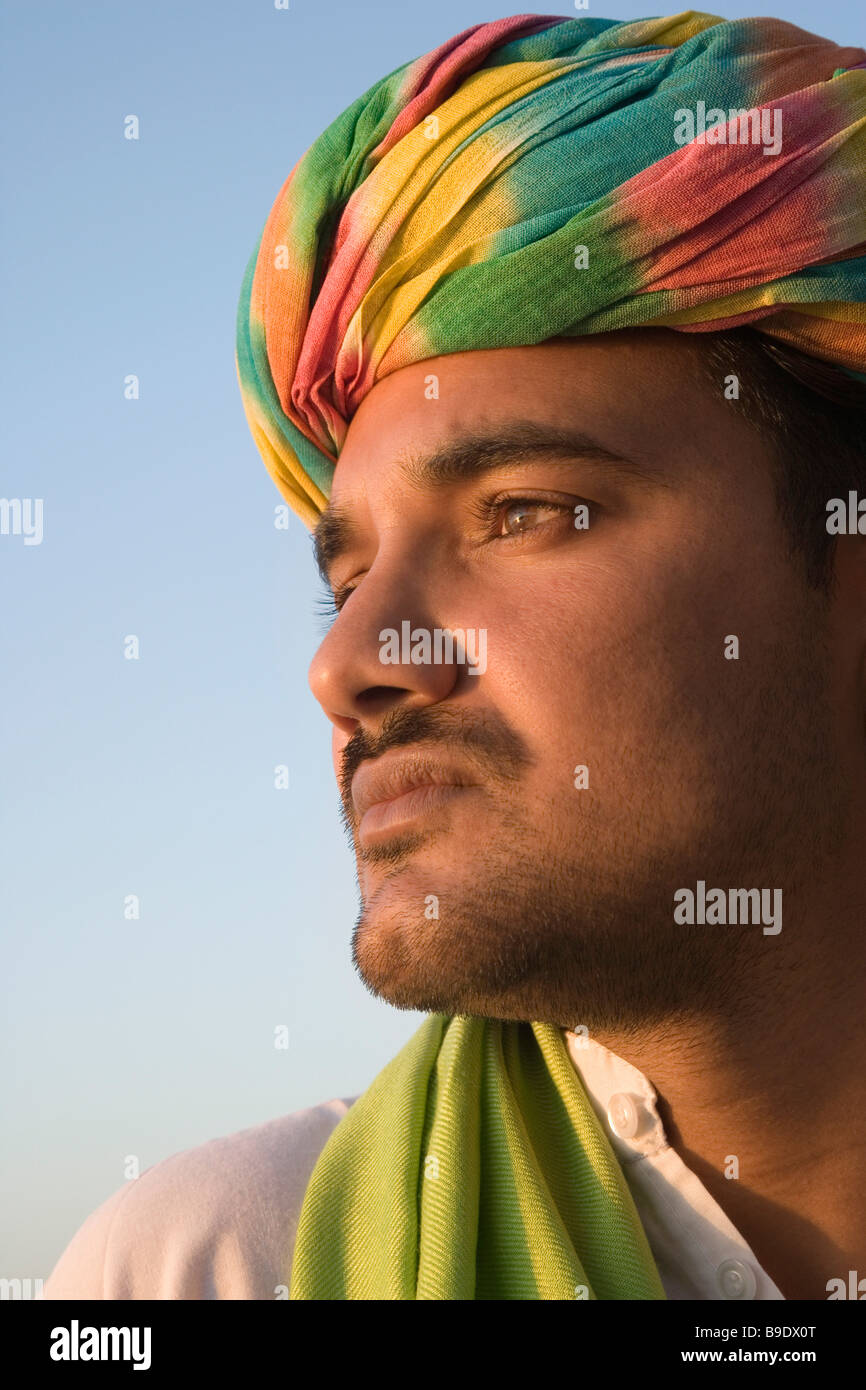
(488, 744)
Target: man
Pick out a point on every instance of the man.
(573, 394)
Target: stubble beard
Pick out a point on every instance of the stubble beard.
(558, 925)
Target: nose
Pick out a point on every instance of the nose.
(348, 676)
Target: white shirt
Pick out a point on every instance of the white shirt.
(700, 1254)
(218, 1221)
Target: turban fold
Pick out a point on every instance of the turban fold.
(536, 177)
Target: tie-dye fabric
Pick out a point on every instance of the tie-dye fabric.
(537, 177)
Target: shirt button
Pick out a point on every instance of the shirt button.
(622, 1116)
(736, 1280)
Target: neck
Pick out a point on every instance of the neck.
(777, 1084)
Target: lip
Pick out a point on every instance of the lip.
(386, 818)
(399, 786)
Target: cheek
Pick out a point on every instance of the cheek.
(610, 657)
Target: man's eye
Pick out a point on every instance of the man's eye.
(512, 517)
(518, 514)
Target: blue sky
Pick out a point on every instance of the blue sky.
(155, 777)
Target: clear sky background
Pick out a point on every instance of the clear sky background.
(155, 777)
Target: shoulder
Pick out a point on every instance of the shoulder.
(214, 1222)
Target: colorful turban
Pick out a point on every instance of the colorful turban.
(541, 177)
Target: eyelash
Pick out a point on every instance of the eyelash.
(485, 509)
(330, 604)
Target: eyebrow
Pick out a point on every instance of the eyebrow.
(471, 456)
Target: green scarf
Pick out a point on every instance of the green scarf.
(474, 1167)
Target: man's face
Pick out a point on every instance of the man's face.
(536, 890)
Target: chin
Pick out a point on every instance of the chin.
(432, 969)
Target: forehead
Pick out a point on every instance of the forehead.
(618, 388)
